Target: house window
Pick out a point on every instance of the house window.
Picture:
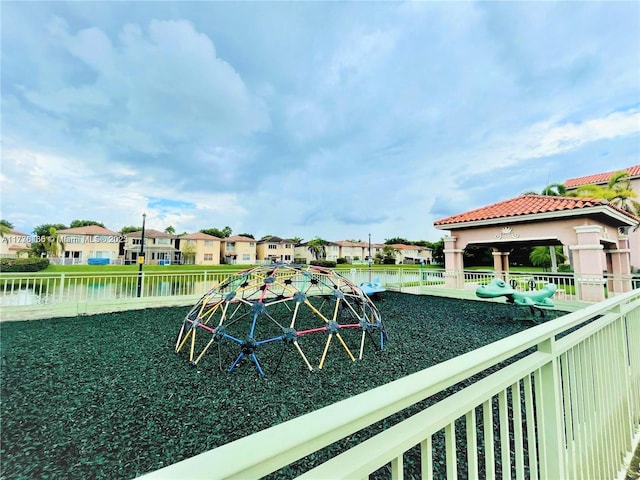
(251, 244)
(208, 257)
(208, 243)
(191, 242)
(287, 258)
(163, 241)
(231, 246)
(246, 257)
(272, 246)
(136, 241)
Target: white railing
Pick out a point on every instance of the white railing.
(43, 288)
(560, 400)
(52, 289)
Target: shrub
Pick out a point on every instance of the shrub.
(388, 261)
(300, 261)
(23, 264)
(565, 268)
(341, 261)
(323, 263)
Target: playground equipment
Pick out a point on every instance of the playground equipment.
(372, 288)
(289, 304)
(534, 299)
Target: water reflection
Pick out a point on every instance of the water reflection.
(40, 294)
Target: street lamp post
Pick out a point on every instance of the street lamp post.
(370, 259)
(141, 257)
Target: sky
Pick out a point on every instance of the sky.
(337, 120)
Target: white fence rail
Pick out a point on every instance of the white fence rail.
(52, 289)
(560, 400)
(87, 287)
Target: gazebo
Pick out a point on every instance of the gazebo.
(594, 231)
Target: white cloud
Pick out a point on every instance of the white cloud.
(316, 120)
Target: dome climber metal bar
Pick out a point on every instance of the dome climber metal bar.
(284, 303)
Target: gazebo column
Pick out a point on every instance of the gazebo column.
(453, 264)
(619, 264)
(500, 263)
(589, 263)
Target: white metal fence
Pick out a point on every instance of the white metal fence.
(558, 401)
(51, 289)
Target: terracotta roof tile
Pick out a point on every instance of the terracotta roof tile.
(600, 178)
(150, 233)
(200, 236)
(88, 230)
(347, 243)
(238, 238)
(523, 205)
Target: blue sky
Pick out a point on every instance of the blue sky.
(305, 119)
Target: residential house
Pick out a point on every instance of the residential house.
(237, 249)
(304, 255)
(602, 179)
(409, 254)
(200, 249)
(88, 244)
(15, 244)
(275, 250)
(353, 251)
(159, 247)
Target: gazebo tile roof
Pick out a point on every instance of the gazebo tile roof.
(600, 178)
(523, 205)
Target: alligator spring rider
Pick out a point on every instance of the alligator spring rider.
(536, 300)
(291, 305)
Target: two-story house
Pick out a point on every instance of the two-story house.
(159, 247)
(413, 254)
(275, 249)
(200, 249)
(353, 251)
(239, 250)
(15, 244)
(304, 255)
(91, 243)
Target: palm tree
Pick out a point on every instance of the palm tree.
(170, 230)
(618, 192)
(53, 244)
(621, 194)
(389, 254)
(543, 256)
(317, 247)
(555, 190)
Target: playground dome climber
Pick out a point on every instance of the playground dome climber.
(291, 305)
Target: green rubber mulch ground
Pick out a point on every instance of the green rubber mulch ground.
(105, 396)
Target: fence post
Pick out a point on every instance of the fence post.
(549, 415)
(61, 286)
